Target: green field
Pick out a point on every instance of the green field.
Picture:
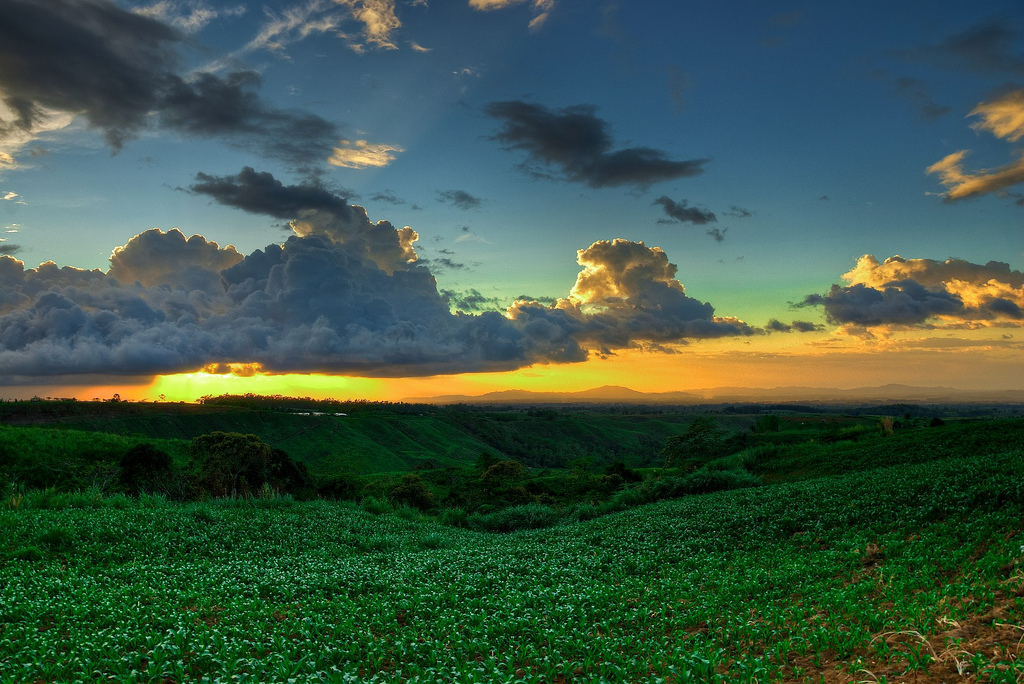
(910, 572)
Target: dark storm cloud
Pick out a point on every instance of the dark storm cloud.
(775, 325)
(681, 212)
(717, 233)
(322, 302)
(258, 192)
(10, 249)
(459, 198)
(472, 300)
(923, 292)
(387, 196)
(900, 303)
(986, 48)
(577, 143)
(315, 211)
(117, 69)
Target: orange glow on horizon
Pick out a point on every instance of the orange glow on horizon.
(971, 360)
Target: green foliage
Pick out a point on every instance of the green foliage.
(503, 474)
(412, 491)
(524, 517)
(229, 463)
(233, 464)
(768, 423)
(701, 441)
(375, 506)
(799, 582)
(145, 469)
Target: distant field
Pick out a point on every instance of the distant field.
(911, 572)
(380, 442)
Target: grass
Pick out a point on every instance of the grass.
(912, 572)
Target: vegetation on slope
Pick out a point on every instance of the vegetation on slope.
(906, 573)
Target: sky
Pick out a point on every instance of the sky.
(404, 198)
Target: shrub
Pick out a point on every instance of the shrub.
(230, 463)
(412, 491)
(145, 469)
(375, 506)
(503, 473)
(527, 517)
(407, 513)
(432, 541)
(454, 517)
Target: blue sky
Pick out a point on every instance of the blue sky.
(801, 133)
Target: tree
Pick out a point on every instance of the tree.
(503, 473)
(769, 423)
(702, 440)
(230, 463)
(412, 491)
(144, 468)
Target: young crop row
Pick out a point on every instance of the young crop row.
(872, 576)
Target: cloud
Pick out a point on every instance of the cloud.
(155, 258)
(542, 8)
(471, 300)
(738, 212)
(379, 22)
(190, 16)
(330, 299)
(293, 24)
(118, 71)
(717, 233)
(680, 212)
(917, 93)
(387, 196)
(775, 325)
(986, 48)
(459, 198)
(416, 47)
(628, 292)
(1004, 118)
(360, 154)
(316, 211)
(963, 184)
(576, 142)
(924, 293)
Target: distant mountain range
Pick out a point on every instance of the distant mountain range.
(612, 394)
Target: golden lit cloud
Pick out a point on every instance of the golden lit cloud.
(379, 21)
(1003, 117)
(360, 154)
(963, 184)
(541, 7)
(924, 293)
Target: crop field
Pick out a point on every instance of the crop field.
(911, 573)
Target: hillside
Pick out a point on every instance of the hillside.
(382, 441)
(907, 573)
(371, 443)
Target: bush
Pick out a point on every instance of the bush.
(230, 463)
(432, 541)
(454, 517)
(375, 506)
(527, 517)
(145, 469)
(412, 491)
